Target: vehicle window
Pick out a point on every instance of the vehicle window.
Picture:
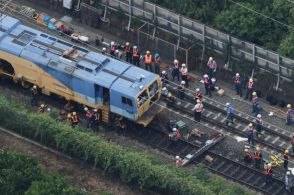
(142, 98)
(127, 101)
(153, 88)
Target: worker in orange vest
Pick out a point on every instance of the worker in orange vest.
(112, 48)
(184, 72)
(129, 52)
(197, 95)
(148, 61)
(198, 108)
(248, 156)
(42, 108)
(268, 173)
(136, 56)
(207, 83)
(74, 119)
(157, 62)
(258, 158)
(181, 90)
(179, 161)
(238, 84)
(211, 67)
(250, 89)
(89, 117)
(34, 93)
(97, 117)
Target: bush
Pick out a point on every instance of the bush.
(20, 174)
(131, 167)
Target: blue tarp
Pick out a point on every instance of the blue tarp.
(46, 19)
(51, 26)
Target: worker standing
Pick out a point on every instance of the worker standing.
(292, 142)
(136, 56)
(89, 116)
(74, 120)
(179, 161)
(97, 118)
(248, 156)
(207, 85)
(289, 115)
(197, 95)
(148, 61)
(268, 173)
(288, 181)
(198, 108)
(211, 67)
(258, 158)
(250, 89)
(129, 52)
(286, 159)
(238, 84)
(250, 131)
(164, 76)
(176, 71)
(181, 90)
(184, 72)
(112, 49)
(255, 104)
(34, 93)
(258, 125)
(42, 108)
(157, 62)
(229, 117)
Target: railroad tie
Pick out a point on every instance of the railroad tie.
(267, 138)
(275, 140)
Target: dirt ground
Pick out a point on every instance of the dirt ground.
(81, 175)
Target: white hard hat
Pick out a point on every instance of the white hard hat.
(103, 49)
(183, 65)
(205, 76)
(269, 165)
(112, 43)
(116, 51)
(183, 82)
(135, 47)
(176, 61)
(250, 125)
(198, 101)
(86, 109)
(210, 58)
(127, 43)
(251, 80)
(163, 72)
(288, 172)
(197, 89)
(174, 129)
(177, 157)
(164, 88)
(227, 104)
(213, 79)
(259, 116)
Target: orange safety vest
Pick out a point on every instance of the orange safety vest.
(182, 88)
(112, 48)
(97, 116)
(148, 59)
(176, 66)
(178, 134)
(74, 119)
(127, 49)
(89, 114)
(237, 80)
(197, 95)
(206, 81)
(268, 171)
(250, 85)
(135, 54)
(211, 64)
(179, 162)
(249, 154)
(258, 155)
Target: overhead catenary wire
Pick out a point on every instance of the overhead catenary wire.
(95, 48)
(261, 14)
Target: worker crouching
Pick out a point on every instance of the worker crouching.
(175, 135)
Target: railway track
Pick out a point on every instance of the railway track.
(222, 165)
(272, 140)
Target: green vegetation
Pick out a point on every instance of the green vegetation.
(20, 174)
(239, 21)
(131, 167)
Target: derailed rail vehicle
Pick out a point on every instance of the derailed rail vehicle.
(32, 57)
